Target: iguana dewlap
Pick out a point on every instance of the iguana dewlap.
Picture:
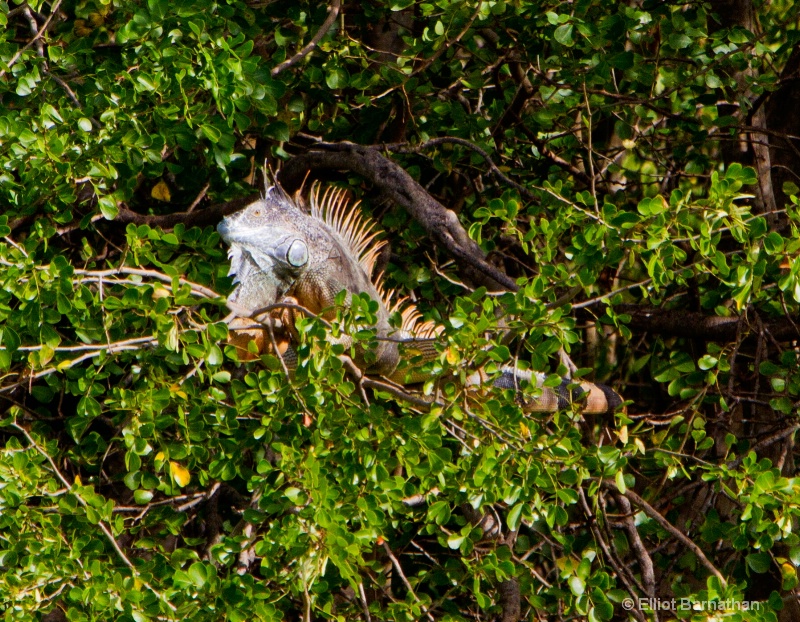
(281, 254)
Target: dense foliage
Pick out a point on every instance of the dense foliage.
(631, 167)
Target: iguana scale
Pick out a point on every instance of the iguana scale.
(281, 254)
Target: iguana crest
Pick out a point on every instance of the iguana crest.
(357, 232)
(281, 254)
(361, 235)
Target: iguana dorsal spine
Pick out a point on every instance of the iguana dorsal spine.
(280, 253)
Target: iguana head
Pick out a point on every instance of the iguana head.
(266, 244)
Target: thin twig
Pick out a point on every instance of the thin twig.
(199, 198)
(92, 346)
(764, 443)
(364, 602)
(103, 527)
(434, 142)
(621, 571)
(36, 37)
(403, 578)
(650, 511)
(200, 289)
(428, 62)
(110, 349)
(333, 12)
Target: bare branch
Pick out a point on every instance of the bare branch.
(440, 223)
(36, 38)
(696, 325)
(645, 562)
(333, 12)
(208, 216)
(650, 511)
(404, 147)
(403, 578)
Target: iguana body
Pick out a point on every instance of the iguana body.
(281, 254)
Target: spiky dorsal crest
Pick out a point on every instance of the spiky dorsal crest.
(411, 324)
(355, 229)
(359, 233)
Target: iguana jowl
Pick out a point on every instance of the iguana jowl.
(281, 254)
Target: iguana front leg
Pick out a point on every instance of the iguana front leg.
(242, 331)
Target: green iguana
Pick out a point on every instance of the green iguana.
(282, 256)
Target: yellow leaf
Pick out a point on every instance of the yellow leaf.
(159, 291)
(623, 434)
(452, 356)
(161, 192)
(180, 473)
(176, 390)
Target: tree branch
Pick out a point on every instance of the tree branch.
(440, 223)
(36, 37)
(696, 325)
(650, 511)
(333, 12)
(645, 561)
(433, 142)
(209, 216)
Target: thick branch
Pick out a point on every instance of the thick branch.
(434, 142)
(764, 167)
(645, 561)
(696, 325)
(209, 216)
(440, 223)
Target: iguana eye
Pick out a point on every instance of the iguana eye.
(297, 255)
(257, 212)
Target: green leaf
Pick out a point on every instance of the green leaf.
(759, 562)
(11, 339)
(142, 497)
(773, 243)
(576, 585)
(514, 517)
(198, 574)
(679, 41)
(454, 541)
(211, 133)
(619, 479)
(108, 207)
(89, 407)
(563, 34)
(707, 362)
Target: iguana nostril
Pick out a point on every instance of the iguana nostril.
(297, 255)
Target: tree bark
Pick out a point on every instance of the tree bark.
(441, 224)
